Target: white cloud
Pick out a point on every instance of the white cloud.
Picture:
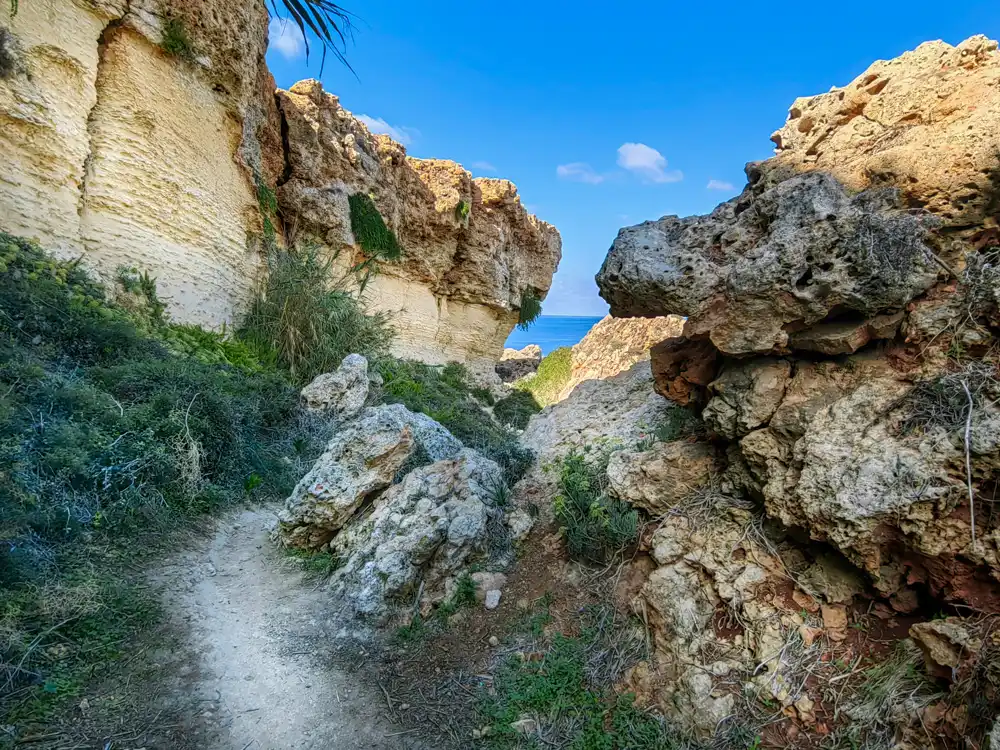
(647, 162)
(579, 171)
(398, 133)
(720, 185)
(284, 36)
(483, 166)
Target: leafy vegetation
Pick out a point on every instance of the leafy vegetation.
(302, 321)
(115, 428)
(595, 526)
(267, 202)
(445, 395)
(548, 382)
(175, 40)
(376, 239)
(516, 409)
(328, 21)
(531, 308)
(566, 695)
(462, 211)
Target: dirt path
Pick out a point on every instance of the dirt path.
(262, 643)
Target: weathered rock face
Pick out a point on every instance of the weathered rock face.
(431, 526)
(840, 346)
(764, 265)
(925, 122)
(615, 344)
(515, 364)
(119, 152)
(456, 291)
(657, 479)
(97, 166)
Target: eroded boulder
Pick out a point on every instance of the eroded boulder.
(341, 394)
(360, 459)
(770, 262)
(658, 479)
(434, 524)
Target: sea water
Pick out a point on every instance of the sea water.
(551, 332)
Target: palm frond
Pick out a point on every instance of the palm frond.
(331, 24)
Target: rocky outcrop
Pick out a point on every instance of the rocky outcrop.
(399, 500)
(470, 249)
(515, 364)
(422, 532)
(924, 122)
(774, 262)
(840, 349)
(614, 345)
(97, 165)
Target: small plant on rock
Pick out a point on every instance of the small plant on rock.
(595, 526)
(462, 211)
(175, 40)
(375, 238)
(531, 308)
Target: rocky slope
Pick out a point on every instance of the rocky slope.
(839, 347)
(179, 182)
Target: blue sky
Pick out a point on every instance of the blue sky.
(603, 114)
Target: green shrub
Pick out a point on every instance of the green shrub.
(531, 308)
(516, 409)
(267, 201)
(462, 211)
(175, 40)
(568, 691)
(595, 526)
(549, 381)
(107, 442)
(306, 325)
(370, 231)
(444, 394)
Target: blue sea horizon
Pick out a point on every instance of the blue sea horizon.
(551, 332)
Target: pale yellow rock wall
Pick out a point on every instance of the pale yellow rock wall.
(43, 119)
(117, 152)
(438, 330)
(164, 193)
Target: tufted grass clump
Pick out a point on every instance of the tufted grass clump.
(376, 239)
(548, 382)
(111, 439)
(530, 309)
(446, 396)
(175, 40)
(306, 321)
(595, 526)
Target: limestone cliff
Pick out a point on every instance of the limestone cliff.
(470, 249)
(126, 155)
(840, 348)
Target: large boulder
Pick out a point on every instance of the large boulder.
(430, 527)
(660, 478)
(341, 394)
(766, 264)
(362, 458)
